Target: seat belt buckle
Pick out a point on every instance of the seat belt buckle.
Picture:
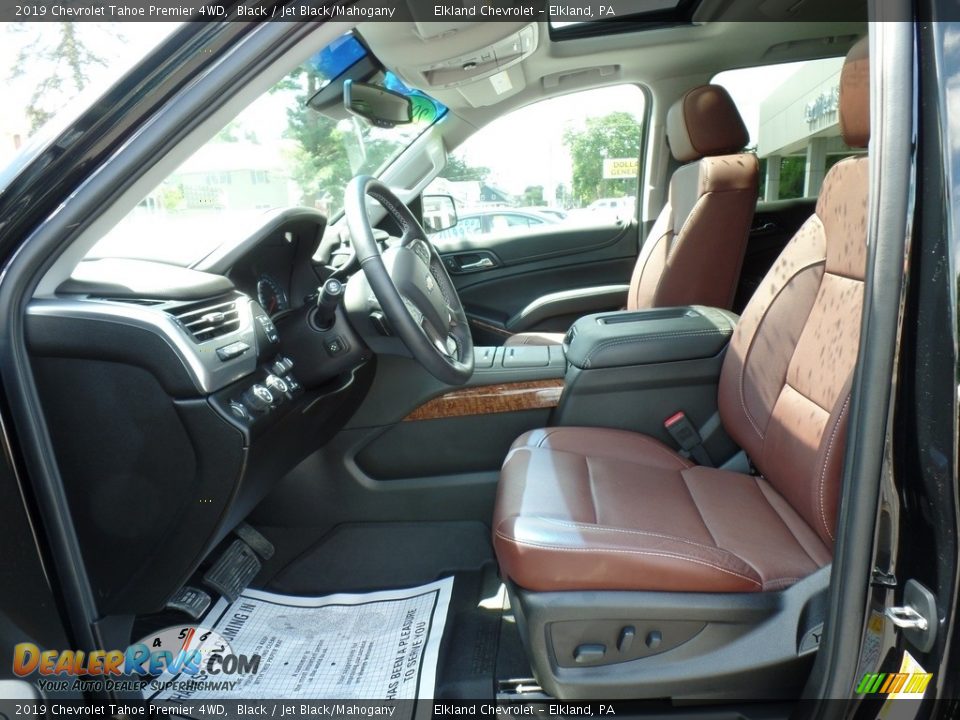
(683, 432)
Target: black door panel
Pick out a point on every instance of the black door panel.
(774, 223)
(539, 242)
(520, 269)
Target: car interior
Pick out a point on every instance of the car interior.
(624, 441)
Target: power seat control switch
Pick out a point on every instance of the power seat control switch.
(589, 654)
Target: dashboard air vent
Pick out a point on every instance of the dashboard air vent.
(209, 319)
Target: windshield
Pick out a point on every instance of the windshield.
(294, 146)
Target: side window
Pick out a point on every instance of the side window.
(791, 111)
(569, 159)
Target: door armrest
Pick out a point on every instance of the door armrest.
(567, 302)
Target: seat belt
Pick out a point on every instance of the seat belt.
(679, 427)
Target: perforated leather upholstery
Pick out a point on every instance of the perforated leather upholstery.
(591, 508)
(694, 251)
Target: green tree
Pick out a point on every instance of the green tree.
(321, 164)
(327, 153)
(792, 171)
(457, 170)
(230, 134)
(60, 51)
(533, 195)
(616, 135)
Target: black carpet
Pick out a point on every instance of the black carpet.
(479, 644)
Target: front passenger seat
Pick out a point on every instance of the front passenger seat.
(602, 509)
(694, 251)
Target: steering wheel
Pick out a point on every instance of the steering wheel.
(411, 284)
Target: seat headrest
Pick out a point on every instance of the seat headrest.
(705, 122)
(855, 96)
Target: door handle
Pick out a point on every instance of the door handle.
(480, 264)
(765, 228)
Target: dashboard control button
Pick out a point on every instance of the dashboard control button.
(287, 363)
(239, 410)
(277, 383)
(278, 368)
(229, 352)
(259, 398)
(292, 383)
(269, 329)
(336, 346)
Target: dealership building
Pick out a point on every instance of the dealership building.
(800, 118)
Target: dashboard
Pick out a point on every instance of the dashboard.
(209, 378)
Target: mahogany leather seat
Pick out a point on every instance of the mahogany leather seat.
(602, 509)
(694, 251)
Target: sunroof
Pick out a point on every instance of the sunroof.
(579, 19)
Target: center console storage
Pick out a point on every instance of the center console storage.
(634, 369)
(513, 363)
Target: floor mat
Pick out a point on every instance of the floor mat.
(357, 557)
(383, 645)
(479, 643)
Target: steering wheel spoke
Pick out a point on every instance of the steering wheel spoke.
(411, 285)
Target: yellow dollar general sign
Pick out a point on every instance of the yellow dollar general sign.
(620, 168)
(889, 683)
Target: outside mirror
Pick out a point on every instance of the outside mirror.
(381, 107)
(439, 213)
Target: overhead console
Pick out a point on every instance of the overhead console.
(635, 369)
(479, 59)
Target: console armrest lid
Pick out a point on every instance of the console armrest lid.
(651, 336)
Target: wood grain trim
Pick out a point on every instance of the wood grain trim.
(489, 399)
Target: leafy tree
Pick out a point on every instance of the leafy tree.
(616, 135)
(323, 161)
(229, 134)
(68, 58)
(457, 170)
(533, 195)
(792, 171)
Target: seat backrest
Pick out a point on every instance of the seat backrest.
(694, 252)
(785, 385)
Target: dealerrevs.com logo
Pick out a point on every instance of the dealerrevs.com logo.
(179, 651)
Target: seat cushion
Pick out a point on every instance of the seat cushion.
(602, 509)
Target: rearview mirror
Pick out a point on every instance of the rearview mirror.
(439, 213)
(381, 107)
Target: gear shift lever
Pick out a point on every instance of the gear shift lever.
(327, 300)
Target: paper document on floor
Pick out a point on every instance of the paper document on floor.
(379, 646)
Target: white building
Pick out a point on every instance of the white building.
(799, 118)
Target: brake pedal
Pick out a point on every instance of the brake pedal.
(255, 539)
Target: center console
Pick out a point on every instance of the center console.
(518, 362)
(633, 370)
